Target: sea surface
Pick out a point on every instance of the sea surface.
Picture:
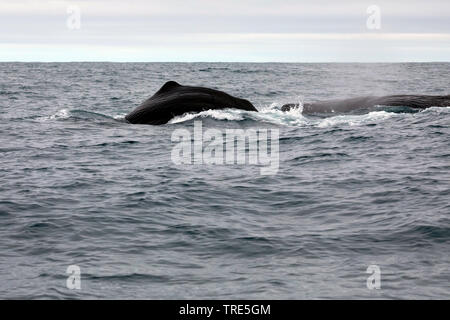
(79, 186)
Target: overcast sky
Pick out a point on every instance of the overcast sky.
(231, 30)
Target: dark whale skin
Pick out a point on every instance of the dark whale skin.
(174, 99)
(370, 102)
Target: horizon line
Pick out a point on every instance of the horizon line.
(279, 62)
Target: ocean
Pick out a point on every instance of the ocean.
(358, 208)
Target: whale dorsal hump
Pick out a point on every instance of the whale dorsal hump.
(168, 86)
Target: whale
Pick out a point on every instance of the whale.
(368, 103)
(173, 99)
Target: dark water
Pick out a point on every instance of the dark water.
(79, 186)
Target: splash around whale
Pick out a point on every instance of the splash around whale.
(173, 100)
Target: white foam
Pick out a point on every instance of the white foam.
(120, 116)
(273, 114)
(355, 120)
(437, 110)
(293, 117)
(60, 114)
(225, 114)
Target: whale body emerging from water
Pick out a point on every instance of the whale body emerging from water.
(174, 100)
(370, 102)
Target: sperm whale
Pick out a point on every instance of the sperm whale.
(174, 100)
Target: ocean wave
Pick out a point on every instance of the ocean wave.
(294, 117)
(437, 110)
(267, 114)
(77, 114)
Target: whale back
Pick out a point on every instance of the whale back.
(173, 99)
(370, 102)
(414, 101)
(167, 87)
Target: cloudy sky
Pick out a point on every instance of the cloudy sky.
(231, 30)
